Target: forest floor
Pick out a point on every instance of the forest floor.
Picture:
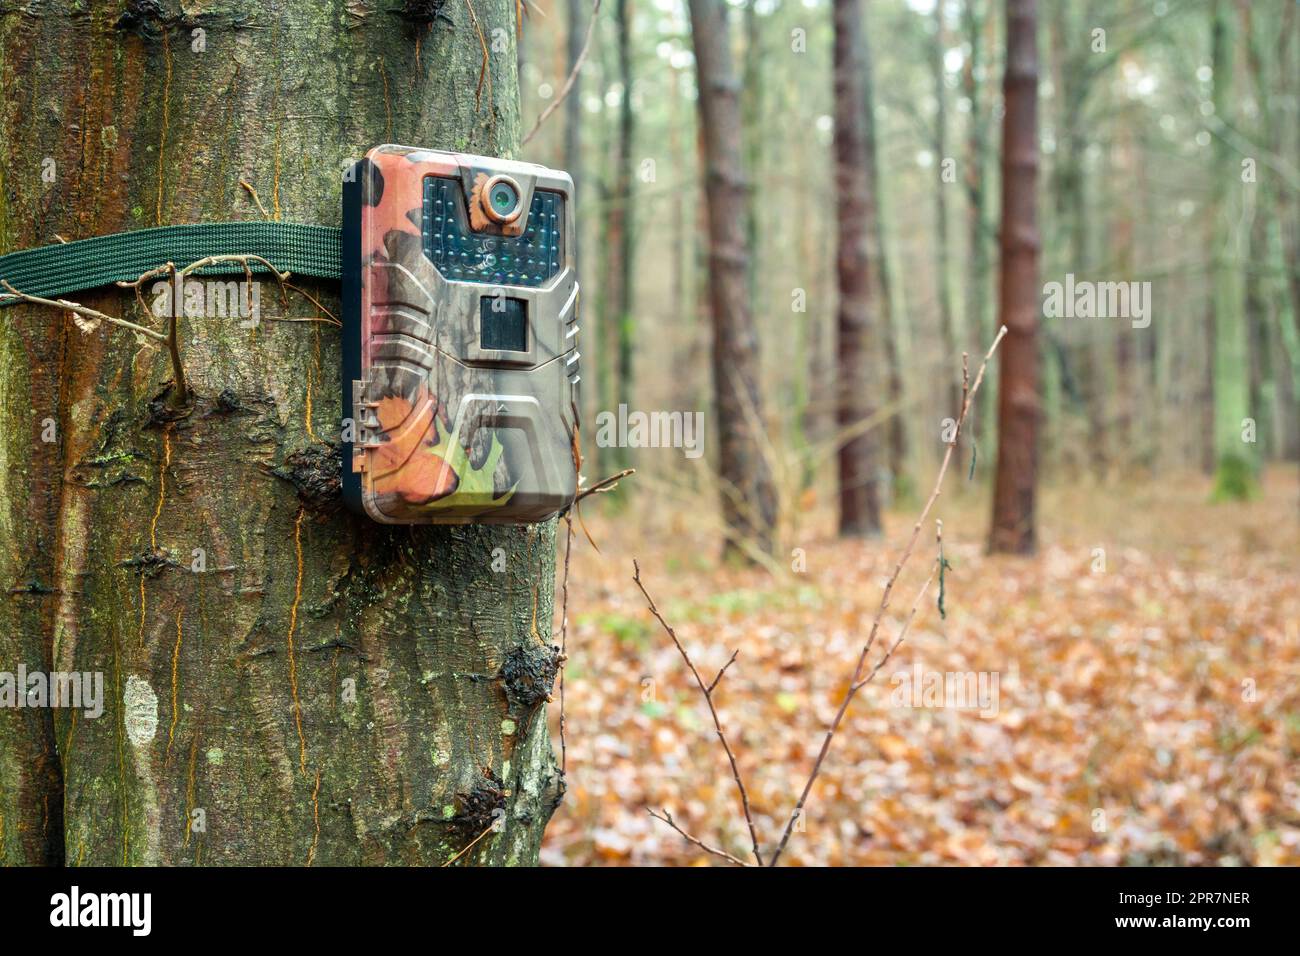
(1146, 707)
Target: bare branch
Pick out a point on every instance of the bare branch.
(83, 311)
(920, 596)
(731, 660)
(169, 269)
(471, 844)
(570, 80)
(483, 73)
(253, 192)
(856, 681)
(312, 299)
(178, 369)
(605, 484)
(668, 819)
(708, 699)
(171, 338)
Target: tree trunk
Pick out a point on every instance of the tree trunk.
(1235, 460)
(947, 321)
(754, 133)
(1128, 387)
(575, 32)
(748, 495)
(979, 325)
(620, 217)
(284, 683)
(878, 267)
(1013, 527)
(859, 494)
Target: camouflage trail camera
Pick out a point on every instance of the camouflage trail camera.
(460, 366)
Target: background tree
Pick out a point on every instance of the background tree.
(878, 267)
(575, 29)
(978, 314)
(617, 319)
(748, 496)
(942, 258)
(1019, 302)
(1234, 475)
(324, 690)
(859, 494)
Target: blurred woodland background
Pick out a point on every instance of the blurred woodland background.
(795, 218)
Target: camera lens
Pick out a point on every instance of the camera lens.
(504, 198)
(501, 200)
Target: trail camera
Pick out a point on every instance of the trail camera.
(460, 367)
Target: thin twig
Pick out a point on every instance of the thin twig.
(312, 299)
(605, 484)
(82, 311)
(708, 699)
(572, 78)
(471, 844)
(322, 319)
(169, 269)
(483, 66)
(668, 819)
(859, 668)
(253, 192)
(731, 660)
(171, 338)
(907, 624)
(244, 260)
(174, 349)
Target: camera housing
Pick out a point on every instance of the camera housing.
(460, 325)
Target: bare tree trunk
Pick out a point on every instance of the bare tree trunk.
(681, 254)
(979, 325)
(283, 683)
(1013, 528)
(585, 200)
(878, 267)
(1235, 460)
(947, 320)
(748, 495)
(858, 492)
(575, 30)
(1083, 349)
(1128, 389)
(754, 133)
(1267, 300)
(617, 324)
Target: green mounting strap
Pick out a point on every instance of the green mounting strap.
(52, 271)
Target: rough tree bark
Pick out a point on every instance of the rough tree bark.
(859, 495)
(322, 690)
(748, 495)
(1013, 527)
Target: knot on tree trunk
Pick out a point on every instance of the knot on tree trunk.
(529, 674)
(478, 808)
(423, 11)
(141, 17)
(315, 473)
